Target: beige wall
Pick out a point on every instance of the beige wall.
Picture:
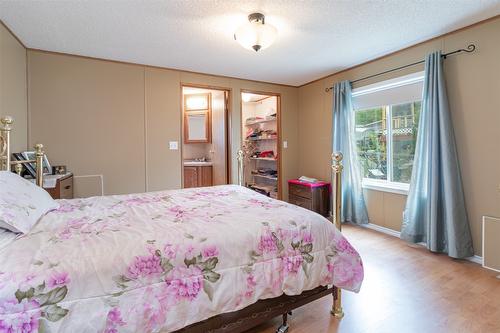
(473, 83)
(13, 94)
(116, 120)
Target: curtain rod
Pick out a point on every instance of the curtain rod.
(470, 48)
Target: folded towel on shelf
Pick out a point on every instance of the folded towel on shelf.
(307, 179)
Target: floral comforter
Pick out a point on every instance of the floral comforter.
(164, 260)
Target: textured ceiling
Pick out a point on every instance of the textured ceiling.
(316, 37)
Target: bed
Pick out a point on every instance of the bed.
(219, 259)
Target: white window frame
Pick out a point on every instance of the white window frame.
(382, 184)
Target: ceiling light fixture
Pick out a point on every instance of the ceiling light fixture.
(256, 34)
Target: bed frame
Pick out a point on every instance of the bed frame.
(237, 321)
(5, 153)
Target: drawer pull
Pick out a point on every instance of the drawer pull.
(67, 187)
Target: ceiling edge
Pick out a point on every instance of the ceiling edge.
(403, 49)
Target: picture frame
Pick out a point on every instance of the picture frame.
(31, 155)
(29, 169)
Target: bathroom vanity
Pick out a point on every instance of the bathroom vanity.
(197, 174)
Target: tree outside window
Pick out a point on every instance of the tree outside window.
(385, 139)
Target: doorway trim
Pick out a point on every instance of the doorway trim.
(278, 121)
(228, 124)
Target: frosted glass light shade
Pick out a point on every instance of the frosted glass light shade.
(255, 35)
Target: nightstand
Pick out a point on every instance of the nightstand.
(63, 188)
(312, 196)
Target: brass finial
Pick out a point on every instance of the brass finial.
(18, 167)
(337, 162)
(337, 156)
(7, 121)
(39, 148)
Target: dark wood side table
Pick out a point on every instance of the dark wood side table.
(312, 196)
(63, 188)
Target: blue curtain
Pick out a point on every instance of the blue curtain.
(435, 210)
(344, 141)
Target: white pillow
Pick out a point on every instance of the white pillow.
(22, 203)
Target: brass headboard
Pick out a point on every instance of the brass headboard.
(5, 153)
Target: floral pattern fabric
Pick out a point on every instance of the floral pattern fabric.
(22, 203)
(164, 260)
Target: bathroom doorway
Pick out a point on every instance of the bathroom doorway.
(260, 129)
(205, 135)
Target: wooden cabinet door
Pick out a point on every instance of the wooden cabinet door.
(206, 176)
(190, 176)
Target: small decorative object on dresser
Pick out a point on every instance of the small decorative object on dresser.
(59, 170)
(59, 186)
(313, 196)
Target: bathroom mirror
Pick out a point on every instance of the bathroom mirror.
(197, 127)
(197, 122)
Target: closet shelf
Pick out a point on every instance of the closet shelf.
(263, 158)
(261, 139)
(266, 177)
(250, 123)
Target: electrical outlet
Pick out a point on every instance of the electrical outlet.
(173, 145)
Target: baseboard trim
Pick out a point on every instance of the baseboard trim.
(475, 259)
(383, 230)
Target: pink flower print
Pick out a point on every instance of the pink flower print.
(251, 280)
(185, 282)
(342, 245)
(267, 243)
(307, 237)
(177, 211)
(292, 261)
(260, 203)
(65, 233)
(347, 272)
(65, 207)
(189, 252)
(283, 233)
(209, 251)
(144, 266)
(113, 321)
(136, 201)
(251, 283)
(58, 280)
(19, 317)
(170, 251)
(7, 217)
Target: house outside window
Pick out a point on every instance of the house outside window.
(386, 119)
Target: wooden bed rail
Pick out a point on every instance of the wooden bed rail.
(5, 152)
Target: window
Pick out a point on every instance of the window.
(386, 120)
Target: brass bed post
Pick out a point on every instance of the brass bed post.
(5, 154)
(337, 168)
(240, 167)
(5, 142)
(39, 156)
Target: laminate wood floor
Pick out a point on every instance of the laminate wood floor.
(406, 289)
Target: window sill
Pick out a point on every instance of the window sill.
(383, 186)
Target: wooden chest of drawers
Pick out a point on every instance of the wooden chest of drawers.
(315, 197)
(63, 189)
